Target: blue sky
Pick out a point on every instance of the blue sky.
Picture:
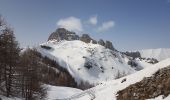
(129, 24)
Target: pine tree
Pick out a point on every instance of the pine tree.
(31, 88)
(9, 55)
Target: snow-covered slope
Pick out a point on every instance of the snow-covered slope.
(108, 90)
(159, 54)
(142, 63)
(86, 61)
(54, 92)
(115, 86)
(9, 98)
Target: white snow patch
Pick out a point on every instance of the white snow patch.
(159, 54)
(9, 98)
(57, 92)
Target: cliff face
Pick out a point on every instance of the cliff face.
(87, 39)
(63, 34)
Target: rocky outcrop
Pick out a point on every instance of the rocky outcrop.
(149, 87)
(109, 45)
(87, 39)
(63, 34)
(101, 42)
(133, 54)
(106, 44)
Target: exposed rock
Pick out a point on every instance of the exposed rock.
(94, 41)
(87, 39)
(123, 80)
(133, 54)
(134, 65)
(63, 34)
(101, 42)
(109, 45)
(152, 60)
(46, 47)
(149, 87)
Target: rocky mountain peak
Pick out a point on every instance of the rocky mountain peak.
(63, 34)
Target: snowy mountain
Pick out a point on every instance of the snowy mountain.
(87, 61)
(120, 88)
(159, 54)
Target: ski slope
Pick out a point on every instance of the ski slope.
(74, 55)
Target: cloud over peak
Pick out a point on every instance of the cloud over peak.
(71, 23)
(106, 25)
(93, 20)
(77, 25)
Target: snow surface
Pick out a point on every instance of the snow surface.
(159, 54)
(143, 63)
(72, 55)
(56, 92)
(108, 90)
(9, 98)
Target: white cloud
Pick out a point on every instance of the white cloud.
(93, 20)
(106, 25)
(71, 23)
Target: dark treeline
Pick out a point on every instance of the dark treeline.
(18, 72)
(24, 74)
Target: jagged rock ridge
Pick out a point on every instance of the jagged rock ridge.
(63, 34)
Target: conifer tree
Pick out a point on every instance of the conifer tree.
(9, 51)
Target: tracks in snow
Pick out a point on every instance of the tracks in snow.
(89, 92)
